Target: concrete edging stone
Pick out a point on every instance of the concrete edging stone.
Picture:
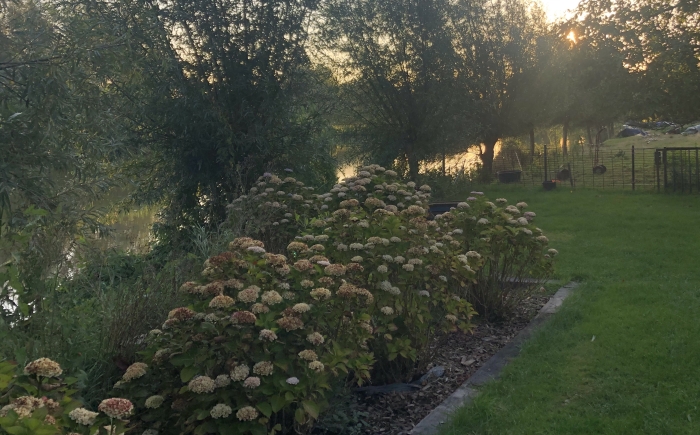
(492, 369)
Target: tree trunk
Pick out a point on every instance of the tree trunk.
(487, 159)
(413, 165)
(444, 173)
(565, 139)
(532, 144)
(590, 135)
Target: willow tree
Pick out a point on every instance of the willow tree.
(658, 44)
(497, 43)
(399, 73)
(58, 134)
(219, 93)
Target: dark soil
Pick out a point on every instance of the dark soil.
(461, 355)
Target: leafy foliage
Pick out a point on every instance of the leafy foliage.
(361, 292)
(218, 91)
(656, 42)
(399, 77)
(512, 253)
(40, 402)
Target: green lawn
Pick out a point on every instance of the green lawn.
(655, 139)
(638, 257)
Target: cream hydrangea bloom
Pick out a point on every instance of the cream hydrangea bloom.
(83, 416)
(43, 367)
(220, 410)
(315, 338)
(135, 371)
(308, 355)
(247, 413)
(251, 382)
(240, 372)
(202, 385)
(316, 366)
(154, 402)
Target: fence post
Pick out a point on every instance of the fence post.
(665, 162)
(657, 166)
(633, 183)
(545, 163)
(697, 169)
(571, 174)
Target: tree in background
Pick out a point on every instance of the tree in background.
(220, 91)
(497, 43)
(657, 41)
(400, 79)
(589, 84)
(60, 139)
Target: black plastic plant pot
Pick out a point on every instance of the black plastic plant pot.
(549, 185)
(599, 169)
(509, 176)
(440, 208)
(563, 174)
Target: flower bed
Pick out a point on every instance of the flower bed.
(353, 287)
(461, 355)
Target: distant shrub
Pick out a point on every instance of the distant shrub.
(273, 211)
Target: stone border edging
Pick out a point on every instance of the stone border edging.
(492, 368)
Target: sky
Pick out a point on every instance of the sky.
(557, 8)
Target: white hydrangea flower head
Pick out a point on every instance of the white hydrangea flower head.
(220, 410)
(247, 413)
(202, 385)
(154, 402)
(263, 368)
(83, 416)
(251, 382)
(240, 372)
(222, 381)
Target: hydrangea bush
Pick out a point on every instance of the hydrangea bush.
(273, 211)
(513, 254)
(264, 336)
(350, 286)
(39, 401)
(377, 225)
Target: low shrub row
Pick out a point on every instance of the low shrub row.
(348, 287)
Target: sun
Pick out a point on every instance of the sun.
(571, 37)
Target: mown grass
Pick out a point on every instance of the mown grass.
(655, 139)
(638, 257)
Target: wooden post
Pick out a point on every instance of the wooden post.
(564, 140)
(633, 182)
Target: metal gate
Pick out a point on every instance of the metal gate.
(678, 170)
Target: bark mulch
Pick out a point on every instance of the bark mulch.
(460, 354)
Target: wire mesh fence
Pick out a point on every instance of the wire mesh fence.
(652, 169)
